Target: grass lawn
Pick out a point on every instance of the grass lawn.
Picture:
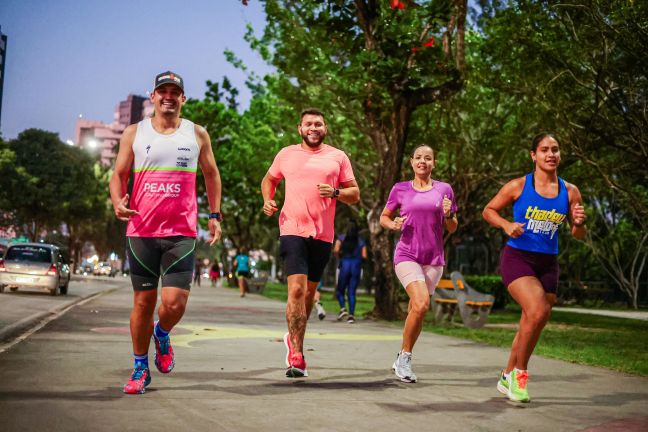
(613, 343)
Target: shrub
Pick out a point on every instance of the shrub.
(490, 284)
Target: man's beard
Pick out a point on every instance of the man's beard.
(312, 144)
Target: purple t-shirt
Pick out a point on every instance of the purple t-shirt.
(421, 237)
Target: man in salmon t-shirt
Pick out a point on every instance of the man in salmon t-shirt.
(317, 176)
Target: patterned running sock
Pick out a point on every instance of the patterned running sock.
(159, 332)
(141, 361)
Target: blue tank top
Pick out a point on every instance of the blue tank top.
(541, 217)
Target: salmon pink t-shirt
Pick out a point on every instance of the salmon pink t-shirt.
(304, 212)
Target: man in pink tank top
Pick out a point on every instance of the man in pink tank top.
(164, 153)
(317, 176)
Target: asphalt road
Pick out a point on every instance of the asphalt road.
(229, 376)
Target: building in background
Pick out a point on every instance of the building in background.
(3, 59)
(131, 110)
(103, 138)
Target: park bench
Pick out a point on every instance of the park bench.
(256, 284)
(455, 293)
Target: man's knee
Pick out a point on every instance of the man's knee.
(175, 305)
(296, 291)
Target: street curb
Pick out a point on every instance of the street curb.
(13, 330)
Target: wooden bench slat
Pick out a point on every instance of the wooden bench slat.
(445, 284)
(476, 303)
(442, 300)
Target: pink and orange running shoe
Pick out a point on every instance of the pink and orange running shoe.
(295, 362)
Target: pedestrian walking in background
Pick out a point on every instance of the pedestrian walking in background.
(351, 249)
(197, 272)
(242, 264)
(214, 273)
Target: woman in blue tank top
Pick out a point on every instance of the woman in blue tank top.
(541, 203)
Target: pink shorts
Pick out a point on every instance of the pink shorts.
(410, 271)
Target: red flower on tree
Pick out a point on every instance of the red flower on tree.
(397, 4)
(429, 43)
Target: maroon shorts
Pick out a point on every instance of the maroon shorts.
(517, 263)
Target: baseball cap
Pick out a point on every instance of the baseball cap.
(168, 77)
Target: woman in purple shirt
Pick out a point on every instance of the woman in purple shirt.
(426, 207)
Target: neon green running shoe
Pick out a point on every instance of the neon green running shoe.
(518, 386)
(503, 383)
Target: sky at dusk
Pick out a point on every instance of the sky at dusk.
(71, 57)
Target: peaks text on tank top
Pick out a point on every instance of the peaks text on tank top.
(164, 187)
(541, 217)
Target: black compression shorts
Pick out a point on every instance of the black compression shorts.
(304, 255)
(171, 258)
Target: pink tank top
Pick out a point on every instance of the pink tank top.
(164, 188)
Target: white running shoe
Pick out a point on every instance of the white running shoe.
(343, 314)
(402, 367)
(321, 313)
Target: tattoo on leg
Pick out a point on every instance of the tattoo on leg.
(297, 328)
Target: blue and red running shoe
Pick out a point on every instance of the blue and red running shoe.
(164, 358)
(138, 381)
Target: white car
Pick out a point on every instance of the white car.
(34, 265)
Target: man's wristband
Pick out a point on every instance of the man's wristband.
(215, 215)
(336, 192)
(450, 216)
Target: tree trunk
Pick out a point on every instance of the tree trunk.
(391, 150)
(385, 286)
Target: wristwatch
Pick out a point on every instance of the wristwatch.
(336, 192)
(215, 215)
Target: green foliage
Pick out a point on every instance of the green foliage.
(577, 69)
(55, 183)
(244, 146)
(369, 68)
(491, 284)
(46, 183)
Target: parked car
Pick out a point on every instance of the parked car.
(103, 269)
(34, 265)
(85, 269)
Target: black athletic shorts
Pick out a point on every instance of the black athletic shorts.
(243, 273)
(171, 258)
(304, 255)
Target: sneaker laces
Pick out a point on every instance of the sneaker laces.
(405, 362)
(137, 374)
(164, 344)
(522, 378)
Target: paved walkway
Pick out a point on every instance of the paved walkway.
(229, 376)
